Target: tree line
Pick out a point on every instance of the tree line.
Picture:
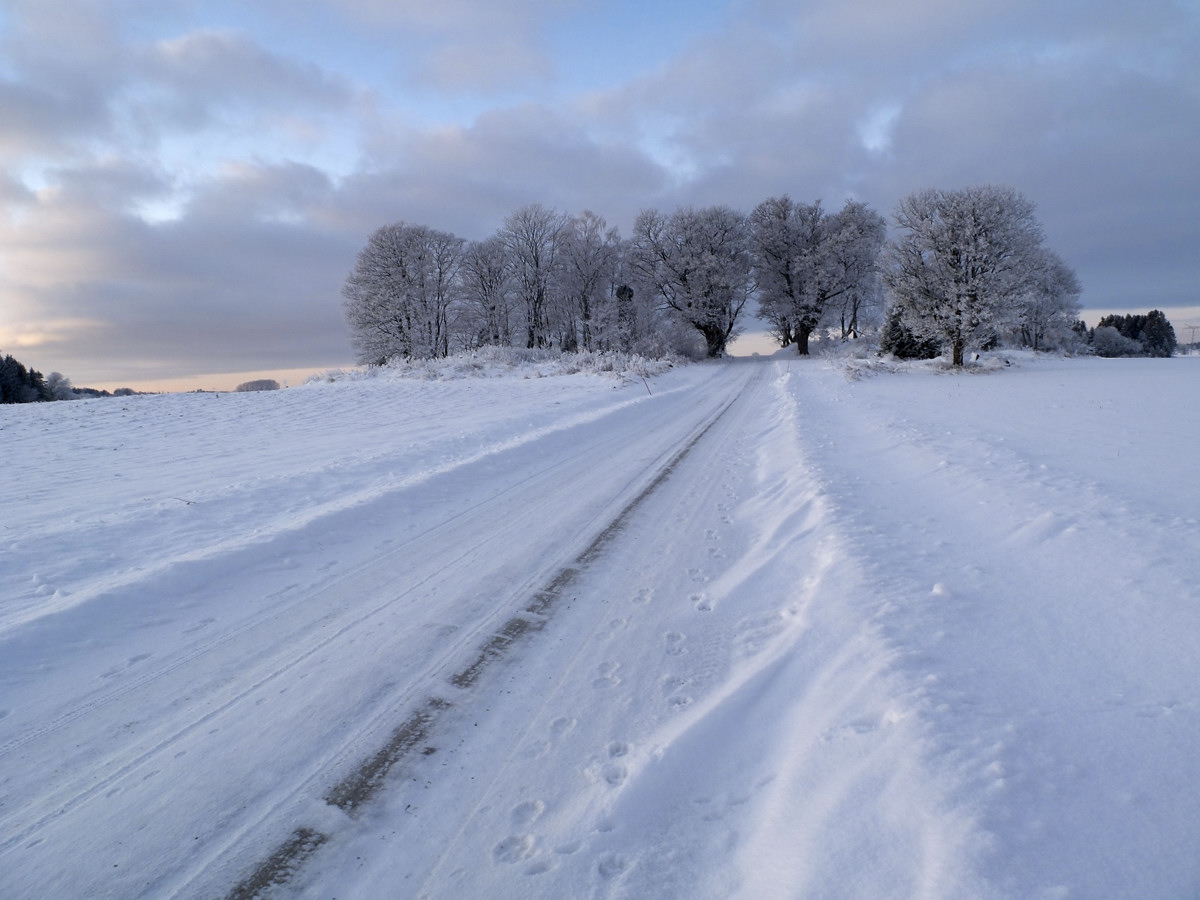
(22, 384)
(681, 282)
(966, 270)
(19, 384)
(1133, 335)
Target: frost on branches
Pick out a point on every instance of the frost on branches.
(969, 267)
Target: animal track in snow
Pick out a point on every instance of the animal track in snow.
(644, 595)
(536, 749)
(701, 602)
(539, 867)
(614, 774)
(674, 641)
(672, 683)
(515, 848)
(611, 865)
(607, 676)
(527, 812)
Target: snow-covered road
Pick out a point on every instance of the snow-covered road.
(765, 628)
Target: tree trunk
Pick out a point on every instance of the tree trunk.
(801, 335)
(714, 339)
(958, 351)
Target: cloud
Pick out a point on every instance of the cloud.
(186, 185)
(244, 279)
(193, 76)
(468, 45)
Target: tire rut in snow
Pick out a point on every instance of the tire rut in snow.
(361, 785)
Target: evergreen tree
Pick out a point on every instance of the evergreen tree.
(1157, 335)
(899, 341)
(21, 385)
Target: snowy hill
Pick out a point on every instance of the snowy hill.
(755, 628)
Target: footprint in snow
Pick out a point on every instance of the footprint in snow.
(515, 848)
(614, 774)
(675, 641)
(527, 812)
(607, 677)
(539, 867)
(701, 601)
(562, 726)
(611, 865)
(536, 749)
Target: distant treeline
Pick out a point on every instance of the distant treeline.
(1133, 335)
(21, 384)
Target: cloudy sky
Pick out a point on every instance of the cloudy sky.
(185, 185)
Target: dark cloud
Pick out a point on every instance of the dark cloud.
(186, 187)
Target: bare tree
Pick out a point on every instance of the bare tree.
(590, 253)
(1051, 306)
(963, 263)
(400, 292)
(697, 263)
(486, 285)
(532, 237)
(786, 240)
(853, 239)
(808, 262)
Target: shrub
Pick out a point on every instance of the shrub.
(262, 384)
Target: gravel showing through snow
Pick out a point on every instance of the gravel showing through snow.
(758, 628)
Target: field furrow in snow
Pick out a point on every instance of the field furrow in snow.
(1029, 540)
(769, 628)
(168, 713)
(711, 715)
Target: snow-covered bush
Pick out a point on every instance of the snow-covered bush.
(261, 384)
(1107, 341)
(500, 362)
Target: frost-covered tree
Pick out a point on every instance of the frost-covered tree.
(1145, 335)
(401, 291)
(786, 240)
(258, 384)
(589, 257)
(962, 264)
(809, 264)
(696, 263)
(59, 387)
(899, 341)
(1108, 341)
(1050, 308)
(486, 284)
(854, 238)
(532, 237)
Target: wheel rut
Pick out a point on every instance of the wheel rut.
(418, 730)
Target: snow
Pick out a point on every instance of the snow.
(757, 628)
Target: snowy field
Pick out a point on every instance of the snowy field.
(759, 628)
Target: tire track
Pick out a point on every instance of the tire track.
(370, 777)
